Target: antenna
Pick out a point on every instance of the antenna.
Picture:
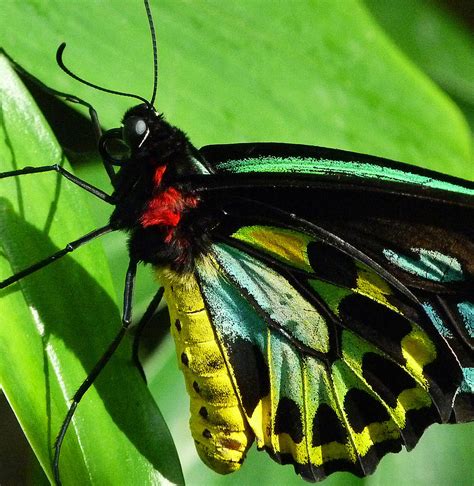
(155, 51)
(59, 60)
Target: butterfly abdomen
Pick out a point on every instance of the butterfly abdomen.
(218, 424)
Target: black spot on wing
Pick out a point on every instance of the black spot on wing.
(416, 421)
(327, 427)
(386, 378)
(375, 323)
(385, 329)
(362, 409)
(332, 265)
(250, 371)
(444, 377)
(389, 380)
(376, 452)
(288, 420)
(313, 473)
(366, 466)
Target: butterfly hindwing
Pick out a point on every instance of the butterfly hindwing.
(318, 386)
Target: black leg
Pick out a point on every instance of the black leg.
(73, 245)
(68, 97)
(99, 366)
(150, 311)
(71, 98)
(60, 170)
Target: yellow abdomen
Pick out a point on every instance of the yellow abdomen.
(218, 424)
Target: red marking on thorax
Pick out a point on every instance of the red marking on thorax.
(166, 207)
(159, 174)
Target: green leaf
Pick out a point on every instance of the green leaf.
(55, 324)
(320, 72)
(434, 38)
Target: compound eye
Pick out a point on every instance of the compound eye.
(135, 131)
(113, 148)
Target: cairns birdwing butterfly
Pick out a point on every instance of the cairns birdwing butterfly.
(320, 300)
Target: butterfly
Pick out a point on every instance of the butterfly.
(280, 264)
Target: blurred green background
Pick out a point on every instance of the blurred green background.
(390, 78)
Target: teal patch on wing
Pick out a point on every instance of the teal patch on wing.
(467, 384)
(466, 309)
(353, 169)
(230, 308)
(456, 327)
(429, 264)
(275, 296)
(437, 321)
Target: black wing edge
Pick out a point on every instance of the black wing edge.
(216, 154)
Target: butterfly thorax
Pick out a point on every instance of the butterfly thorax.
(151, 202)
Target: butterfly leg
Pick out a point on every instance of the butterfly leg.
(68, 97)
(73, 245)
(65, 173)
(94, 117)
(146, 318)
(99, 366)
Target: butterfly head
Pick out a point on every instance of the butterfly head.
(134, 136)
(136, 126)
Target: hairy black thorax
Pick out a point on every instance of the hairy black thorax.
(167, 222)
